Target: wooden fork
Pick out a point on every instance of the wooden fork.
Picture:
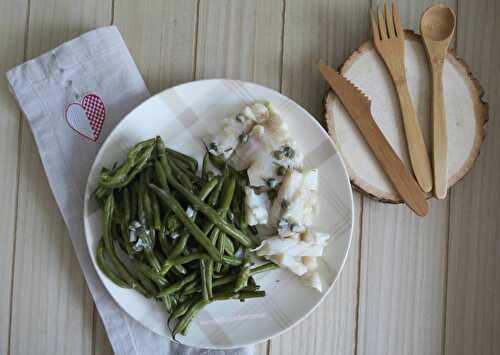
(388, 38)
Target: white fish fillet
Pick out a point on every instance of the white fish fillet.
(299, 190)
(291, 263)
(257, 206)
(226, 141)
(289, 246)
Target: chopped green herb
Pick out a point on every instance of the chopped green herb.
(294, 227)
(272, 183)
(243, 138)
(281, 170)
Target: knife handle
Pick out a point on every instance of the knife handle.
(393, 167)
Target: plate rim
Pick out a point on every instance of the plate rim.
(100, 152)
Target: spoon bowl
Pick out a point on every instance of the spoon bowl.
(438, 23)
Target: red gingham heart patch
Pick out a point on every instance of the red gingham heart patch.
(87, 116)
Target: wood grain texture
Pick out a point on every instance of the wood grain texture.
(473, 293)
(51, 308)
(403, 266)
(240, 40)
(13, 17)
(402, 284)
(161, 38)
(319, 30)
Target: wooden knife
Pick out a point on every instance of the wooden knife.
(358, 106)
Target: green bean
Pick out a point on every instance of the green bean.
(185, 169)
(152, 260)
(180, 245)
(238, 295)
(126, 221)
(210, 213)
(167, 301)
(181, 309)
(101, 262)
(231, 260)
(149, 286)
(217, 283)
(190, 288)
(225, 280)
(156, 212)
(214, 236)
(244, 274)
(209, 278)
(228, 245)
(126, 204)
(232, 277)
(220, 247)
(231, 288)
(184, 323)
(159, 255)
(217, 161)
(195, 231)
(125, 239)
(148, 210)
(133, 202)
(162, 238)
(141, 214)
(214, 196)
(207, 188)
(162, 156)
(150, 273)
(252, 283)
(148, 249)
(183, 165)
(160, 175)
(182, 178)
(204, 167)
(174, 223)
(193, 164)
(110, 250)
(187, 259)
(227, 195)
(133, 165)
(203, 272)
(177, 286)
(264, 268)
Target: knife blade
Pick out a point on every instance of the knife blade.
(358, 106)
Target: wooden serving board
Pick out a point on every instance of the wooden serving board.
(465, 111)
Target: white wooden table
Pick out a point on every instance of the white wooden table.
(410, 286)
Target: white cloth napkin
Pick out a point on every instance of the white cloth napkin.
(72, 97)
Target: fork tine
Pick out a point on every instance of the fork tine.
(397, 20)
(375, 31)
(389, 22)
(381, 25)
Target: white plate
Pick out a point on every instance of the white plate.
(183, 116)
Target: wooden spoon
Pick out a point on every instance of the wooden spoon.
(437, 26)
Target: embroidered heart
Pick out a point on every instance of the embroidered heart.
(87, 117)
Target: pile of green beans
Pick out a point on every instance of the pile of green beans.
(174, 234)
